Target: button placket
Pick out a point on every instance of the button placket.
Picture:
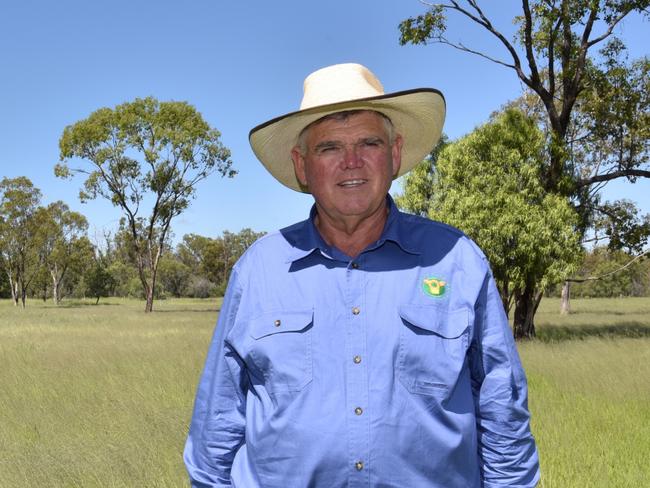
(357, 377)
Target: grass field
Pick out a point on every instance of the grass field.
(100, 396)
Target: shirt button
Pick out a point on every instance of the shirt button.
(355, 310)
(277, 323)
(357, 359)
(358, 410)
(355, 265)
(358, 465)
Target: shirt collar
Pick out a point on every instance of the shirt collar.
(305, 238)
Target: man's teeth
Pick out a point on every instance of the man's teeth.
(352, 182)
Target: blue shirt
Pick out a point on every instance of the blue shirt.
(396, 369)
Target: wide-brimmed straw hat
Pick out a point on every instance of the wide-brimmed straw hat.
(418, 115)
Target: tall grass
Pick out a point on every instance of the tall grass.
(590, 396)
(100, 396)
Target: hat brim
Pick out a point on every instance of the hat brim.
(418, 115)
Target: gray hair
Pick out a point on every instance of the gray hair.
(341, 116)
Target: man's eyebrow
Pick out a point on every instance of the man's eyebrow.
(326, 144)
(372, 139)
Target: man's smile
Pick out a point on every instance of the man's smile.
(352, 183)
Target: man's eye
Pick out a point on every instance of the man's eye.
(372, 143)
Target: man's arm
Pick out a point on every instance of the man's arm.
(218, 422)
(506, 446)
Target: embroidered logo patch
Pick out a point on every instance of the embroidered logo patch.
(434, 287)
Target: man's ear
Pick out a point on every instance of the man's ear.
(299, 165)
(396, 153)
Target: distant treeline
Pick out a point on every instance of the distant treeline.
(197, 267)
(45, 252)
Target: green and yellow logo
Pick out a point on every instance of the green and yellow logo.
(434, 287)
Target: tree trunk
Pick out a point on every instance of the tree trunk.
(149, 305)
(526, 303)
(153, 271)
(504, 293)
(148, 289)
(565, 308)
(13, 285)
(56, 284)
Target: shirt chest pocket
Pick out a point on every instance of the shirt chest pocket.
(432, 350)
(281, 349)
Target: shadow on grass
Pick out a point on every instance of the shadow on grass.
(85, 304)
(599, 312)
(179, 310)
(558, 333)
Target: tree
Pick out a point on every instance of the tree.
(19, 234)
(619, 225)
(191, 251)
(488, 184)
(213, 258)
(64, 243)
(140, 152)
(98, 280)
(421, 182)
(174, 275)
(596, 107)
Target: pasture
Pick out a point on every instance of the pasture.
(100, 396)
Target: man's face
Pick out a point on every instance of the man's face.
(348, 164)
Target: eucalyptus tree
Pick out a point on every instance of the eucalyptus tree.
(488, 185)
(145, 157)
(20, 236)
(593, 103)
(64, 244)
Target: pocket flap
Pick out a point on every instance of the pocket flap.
(445, 323)
(280, 321)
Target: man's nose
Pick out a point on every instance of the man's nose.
(352, 157)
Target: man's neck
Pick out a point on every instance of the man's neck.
(352, 235)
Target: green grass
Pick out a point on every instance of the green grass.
(590, 396)
(100, 396)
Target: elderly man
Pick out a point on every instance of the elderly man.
(362, 347)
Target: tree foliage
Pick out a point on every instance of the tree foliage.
(98, 280)
(421, 182)
(64, 244)
(20, 236)
(142, 152)
(594, 106)
(488, 184)
(214, 258)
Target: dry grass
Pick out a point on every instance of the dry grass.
(100, 396)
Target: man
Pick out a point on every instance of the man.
(362, 347)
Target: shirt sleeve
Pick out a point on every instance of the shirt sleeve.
(507, 451)
(218, 422)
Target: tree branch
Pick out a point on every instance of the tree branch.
(528, 43)
(610, 28)
(463, 48)
(594, 278)
(483, 21)
(612, 176)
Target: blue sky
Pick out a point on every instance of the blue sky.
(240, 64)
